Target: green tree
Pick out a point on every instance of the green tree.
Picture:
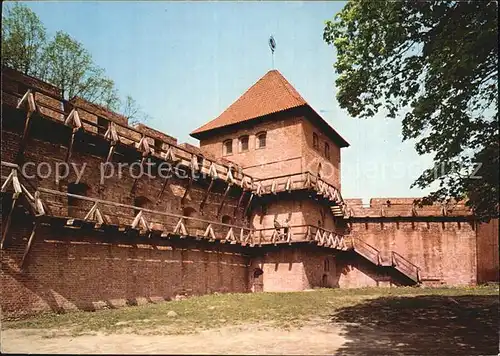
(435, 64)
(70, 67)
(23, 39)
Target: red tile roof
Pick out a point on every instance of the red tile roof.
(270, 94)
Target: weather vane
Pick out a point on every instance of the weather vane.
(272, 45)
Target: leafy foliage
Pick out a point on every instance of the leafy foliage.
(23, 39)
(61, 61)
(436, 64)
(69, 66)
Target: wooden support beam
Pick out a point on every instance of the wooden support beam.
(8, 220)
(212, 171)
(194, 163)
(39, 204)
(164, 185)
(90, 214)
(24, 139)
(209, 232)
(308, 233)
(274, 186)
(240, 200)
(258, 190)
(274, 236)
(137, 219)
(8, 180)
(288, 185)
(205, 198)
(230, 235)
(109, 157)
(307, 184)
(73, 119)
(186, 192)
(169, 155)
(180, 228)
(136, 179)
(111, 134)
(70, 145)
(223, 200)
(229, 178)
(248, 204)
(28, 246)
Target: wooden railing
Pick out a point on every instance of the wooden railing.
(118, 133)
(366, 250)
(301, 233)
(405, 266)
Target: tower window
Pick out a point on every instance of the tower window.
(244, 143)
(315, 141)
(227, 147)
(327, 151)
(261, 139)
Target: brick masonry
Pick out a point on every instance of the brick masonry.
(70, 269)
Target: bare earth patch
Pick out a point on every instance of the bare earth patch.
(246, 339)
(369, 321)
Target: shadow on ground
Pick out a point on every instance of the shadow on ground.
(421, 325)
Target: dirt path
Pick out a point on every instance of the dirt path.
(231, 340)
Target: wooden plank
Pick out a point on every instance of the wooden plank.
(7, 222)
(28, 246)
(186, 192)
(240, 200)
(248, 204)
(164, 185)
(223, 200)
(205, 197)
(7, 181)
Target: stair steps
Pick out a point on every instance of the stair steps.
(392, 259)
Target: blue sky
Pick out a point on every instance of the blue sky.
(185, 62)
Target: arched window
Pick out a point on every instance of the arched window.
(189, 212)
(315, 141)
(327, 151)
(227, 148)
(243, 143)
(78, 208)
(261, 138)
(326, 265)
(193, 226)
(226, 219)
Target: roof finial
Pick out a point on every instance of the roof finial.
(272, 45)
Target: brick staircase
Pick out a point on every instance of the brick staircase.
(392, 260)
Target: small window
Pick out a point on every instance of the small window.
(243, 143)
(315, 141)
(261, 139)
(228, 148)
(102, 125)
(140, 202)
(226, 219)
(77, 207)
(327, 151)
(158, 144)
(326, 265)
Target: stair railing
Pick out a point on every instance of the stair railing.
(404, 264)
(366, 250)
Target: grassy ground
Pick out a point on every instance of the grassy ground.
(279, 310)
